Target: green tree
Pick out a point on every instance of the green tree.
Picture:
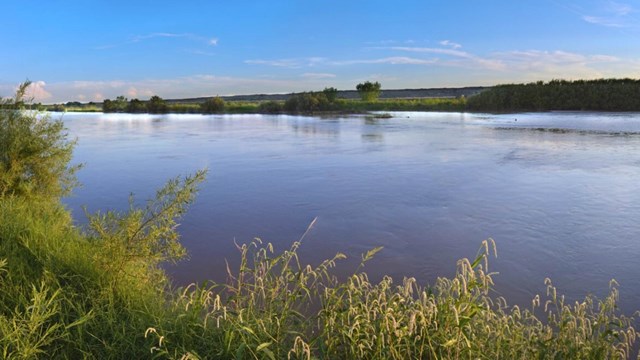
(34, 152)
(136, 106)
(331, 93)
(369, 91)
(120, 104)
(157, 105)
(108, 106)
(213, 105)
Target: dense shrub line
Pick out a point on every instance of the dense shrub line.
(593, 95)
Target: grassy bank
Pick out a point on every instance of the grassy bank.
(99, 292)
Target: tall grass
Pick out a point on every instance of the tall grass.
(276, 308)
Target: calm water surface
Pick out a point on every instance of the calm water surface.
(559, 192)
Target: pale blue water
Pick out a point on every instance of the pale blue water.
(559, 192)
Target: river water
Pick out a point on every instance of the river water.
(559, 192)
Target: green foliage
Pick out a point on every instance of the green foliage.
(369, 91)
(270, 107)
(136, 106)
(135, 243)
(593, 95)
(34, 152)
(307, 102)
(118, 105)
(66, 294)
(156, 105)
(213, 105)
(331, 93)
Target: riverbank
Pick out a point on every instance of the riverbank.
(338, 106)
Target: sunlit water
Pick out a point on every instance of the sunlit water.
(559, 192)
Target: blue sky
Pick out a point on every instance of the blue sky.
(91, 50)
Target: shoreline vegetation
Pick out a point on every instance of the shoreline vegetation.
(556, 95)
(100, 292)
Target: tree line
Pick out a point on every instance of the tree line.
(590, 95)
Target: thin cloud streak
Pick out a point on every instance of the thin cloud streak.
(318, 75)
(166, 35)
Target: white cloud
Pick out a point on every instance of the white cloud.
(392, 60)
(294, 63)
(318, 75)
(210, 41)
(132, 92)
(37, 91)
(609, 22)
(450, 44)
(468, 60)
(139, 38)
(619, 8)
(612, 14)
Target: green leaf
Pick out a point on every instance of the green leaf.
(263, 345)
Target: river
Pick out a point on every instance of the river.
(559, 192)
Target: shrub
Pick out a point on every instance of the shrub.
(369, 91)
(307, 102)
(34, 152)
(213, 105)
(331, 93)
(270, 107)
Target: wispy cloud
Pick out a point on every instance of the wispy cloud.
(162, 35)
(450, 44)
(392, 60)
(295, 63)
(604, 21)
(611, 14)
(321, 61)
(318, 75)
(455, 57)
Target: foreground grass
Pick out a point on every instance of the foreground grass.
(100, 293)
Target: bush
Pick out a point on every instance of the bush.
(270, 107)
(369, 91)
(213, 105)
(34, 152)
(307, 102)
(118, 105)
(331, 93)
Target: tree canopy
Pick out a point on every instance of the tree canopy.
(369, 91)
